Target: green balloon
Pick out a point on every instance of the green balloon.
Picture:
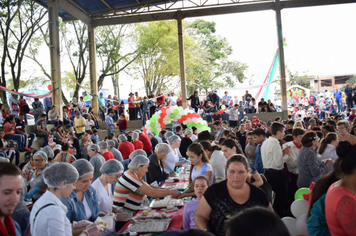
(189, 125)
(86, 98)
(300, 192)
(199, 125)
(153, 124)
(223, 107)
(172, 115)
(155, 116)
(176, 111)
(180, 108)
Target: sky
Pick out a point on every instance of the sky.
(321, 42)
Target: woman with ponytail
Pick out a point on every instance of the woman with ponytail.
(327, 149)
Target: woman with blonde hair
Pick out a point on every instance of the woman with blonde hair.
(298, 124)
(343, 126)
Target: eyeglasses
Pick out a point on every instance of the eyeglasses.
(38, 160)
(315, 138)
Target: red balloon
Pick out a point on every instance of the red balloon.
(284, 40)
(144, 130)
(164, 110)
(162, 125)
(49, 87)
(162, 115)
(160, 120)
(221, 111)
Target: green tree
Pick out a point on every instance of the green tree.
(296, 79)
(19, 21)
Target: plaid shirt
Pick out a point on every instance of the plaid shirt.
(27, 173)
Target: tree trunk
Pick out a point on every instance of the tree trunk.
(65, 101)
(3, 98)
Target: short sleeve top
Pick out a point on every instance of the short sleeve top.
(223, 207)
(205, 168)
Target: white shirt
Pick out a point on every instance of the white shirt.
(51, 220)
(194, 137)
(87, 209)
(105, 198)
(329, 153)
(292, 159)
(81, 104)
(271, 154)
(300, 112)
(218, 162)
(88, 124)
(172, 158)
(173, 101)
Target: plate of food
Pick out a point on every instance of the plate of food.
(157, 203)
(149, 225)
(180, 186)
(149, 213)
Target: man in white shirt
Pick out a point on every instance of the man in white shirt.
(273, 159)
(81, 103)
(172, 100)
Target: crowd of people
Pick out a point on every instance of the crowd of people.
(243, 169)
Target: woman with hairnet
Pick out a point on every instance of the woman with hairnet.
(186, 141)
(96, 159)
(132, 155)
(38, 186)
(48, 215)
(155, 168)
(50, 154)
(110, 173)
(131, 188)
(174, 158)
(82, 203)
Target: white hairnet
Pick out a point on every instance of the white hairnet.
(112, 167)
(60, 175)
(139, 160)
(188, 131)
(168, 134)
(135, 135)
(137, 130)
(103, 144)
(49, 152)
(173, 138)
(111, 143)
(122, 137)
(41, 154)
(136, 153)
(163, 148)
(94, 147)
(151, 134)
(83, 167)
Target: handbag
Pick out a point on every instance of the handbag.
(26, 108)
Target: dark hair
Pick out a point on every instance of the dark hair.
(196, 232)
(329, 128)
(229, 143)
(316, 128)
(178, 128)
(202, 177)
(298, 131)
(346, 153)
(43, 115)
(9, 118)
(323, 183)
(9, 169)
(65, 146)
(331, 136)
(198, 150)
(216, 123)
(276, 127)
(95, 130)
(288, 138)
(207, 146)
(259, 132)
(290, 122)
(225, 122)
(308, 138)
(204, 135)
(277, 118)
(256, 221)
(226, 132)
(238, 158)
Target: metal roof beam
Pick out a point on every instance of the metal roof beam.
(68, 7)
(248, 7)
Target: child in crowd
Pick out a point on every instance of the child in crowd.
(51, 143)
(216, 116)
(201, 184)
(95, 136)
(89, 124)
(122, 123)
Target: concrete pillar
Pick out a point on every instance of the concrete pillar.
(55, 54)
(92, 69)
(181, 59)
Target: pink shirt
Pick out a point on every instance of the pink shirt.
(340, 211)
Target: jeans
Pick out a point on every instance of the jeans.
(43, 135)
(349, 102)
(15, 154)
(233, 123)
(339, 105)
(25, 138)
(16, 137)
(195, 107)
(79, 135)
(3, 154)
(144, 118)
(209, 117)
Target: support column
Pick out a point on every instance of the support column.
(55, 54)
(92, 68)
(282, 69)
(181, 59)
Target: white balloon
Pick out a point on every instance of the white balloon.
(299, 207)
(185, 122)
(148, 122)
(290, 224)
(157, 125)
(195, 120)
(198, 130)
(168, 111)
(301, 225)
(178, 116)
(189, 120)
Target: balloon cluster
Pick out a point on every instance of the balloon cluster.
(166, 115)
(298, 226)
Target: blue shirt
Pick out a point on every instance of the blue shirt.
(101, 101)
(337, 95)
(76, 211)
(258, 158)
(110, 123)
(95, 137)
(47, 102)
(348, 92)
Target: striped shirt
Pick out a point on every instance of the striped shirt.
(65, 157)
(126, 194)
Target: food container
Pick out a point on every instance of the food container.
(156, 203)
(149, 225)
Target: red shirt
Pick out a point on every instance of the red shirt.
(130, 100)
(7, 229)
(138, 144)
(160, 100)
(122, 124)
(22, 102)
(126, 148)
(340, 208)
(108, 156)
(147, 147)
